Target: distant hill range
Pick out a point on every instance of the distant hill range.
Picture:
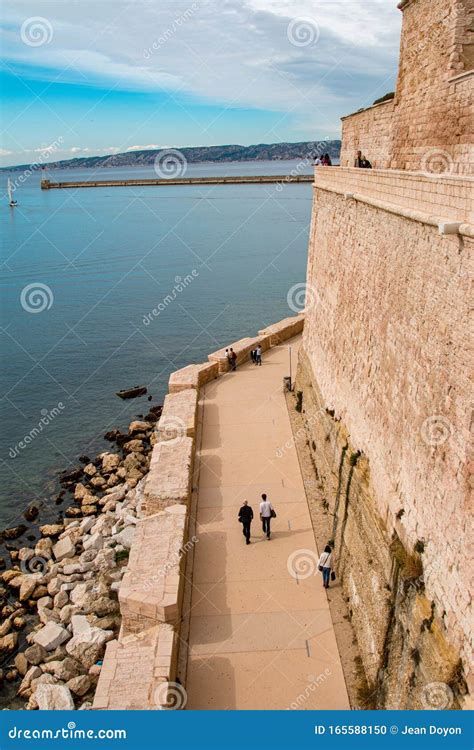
(259, 152)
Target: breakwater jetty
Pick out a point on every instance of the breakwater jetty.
(238, 180)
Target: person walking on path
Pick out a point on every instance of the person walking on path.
(258, 355)
(324, 565)
(266, 515)
(245, 518)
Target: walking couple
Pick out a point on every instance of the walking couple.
(266, 514)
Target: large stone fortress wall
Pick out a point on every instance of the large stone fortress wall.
(433, 105)
(384, 375)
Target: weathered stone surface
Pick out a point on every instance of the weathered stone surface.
(153, 655)
(63, 670)
(88, 645)
(169, 478)
(51, 635)
(110, 462)
(54, 698)
(284, 329)
(80, 685)
(64, 548)
(8, 643)
(95, 541)
(138, 426)
(35, 654)
(193, 376)
(32, 674)
(125, 537)
(179, 415)
(27, 588)
(151, 587)
(21, 663)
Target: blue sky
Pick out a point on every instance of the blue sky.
(114, 75)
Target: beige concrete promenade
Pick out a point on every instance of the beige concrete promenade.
(260, 637)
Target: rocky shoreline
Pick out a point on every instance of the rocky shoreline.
(59, 594)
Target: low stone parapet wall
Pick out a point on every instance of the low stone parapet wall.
(283, 330)
(169, 477)
(151, 589)
(139, 669)
(179, 415)
(242, 349)
(193, 376)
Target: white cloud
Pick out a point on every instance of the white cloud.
(232, 52)
(143, 148)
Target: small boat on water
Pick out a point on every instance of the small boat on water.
(10, 188)
(137, 390)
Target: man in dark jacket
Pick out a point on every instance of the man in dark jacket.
(245, 518)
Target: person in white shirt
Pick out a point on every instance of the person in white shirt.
(258, 355)
(324, 565)
(266, 511)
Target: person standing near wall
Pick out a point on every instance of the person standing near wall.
(245, 518)
(324, 565)
(258, 355)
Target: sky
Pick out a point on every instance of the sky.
(82, 77)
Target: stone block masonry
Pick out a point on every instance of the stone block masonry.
(428, 125)
(385, 382)
(169, 477)
(139, 670)
(151, 589)
(178, 418)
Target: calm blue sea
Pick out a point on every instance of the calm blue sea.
(82, 270)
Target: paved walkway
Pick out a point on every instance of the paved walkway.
(260, 637)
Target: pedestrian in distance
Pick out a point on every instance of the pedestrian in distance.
(252, 355)
(258, 355)
(232, 357)
(245, 518)
(266, 514)
(325, 564)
